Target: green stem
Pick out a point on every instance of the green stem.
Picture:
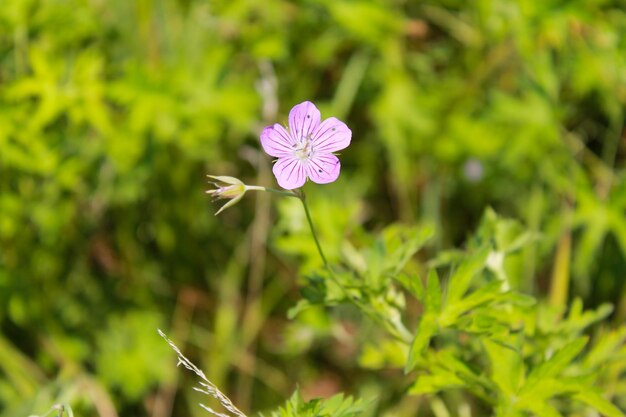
(271, 190)
(302, 198)
(397, 330)
(561, 273)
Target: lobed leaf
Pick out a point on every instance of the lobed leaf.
(592, 398)
(557, 363)
(460, 281)
(507, 367)
(425, 330)
(428, 322)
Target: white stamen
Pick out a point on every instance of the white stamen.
(303, 149)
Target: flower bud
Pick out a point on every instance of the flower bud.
(227, 188)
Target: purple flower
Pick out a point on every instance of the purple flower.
(306, 149)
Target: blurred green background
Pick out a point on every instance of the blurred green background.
(112, 112)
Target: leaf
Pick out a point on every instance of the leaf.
(446, 257)
(428, 322)
(432, 303)
(604, 349)
(507, 367)
(483, 321)
(542, 391)
(542, 409)
(425, 331)
(341, 406)
(557, 363)
(413, 284)
(300, 306)
(379, 355)
(336, 406)
(451, 360)
(395, 247)
(521, 241)
(430, 384)
(517, 298)
(413, 241)
(597, 401)
(461, 279)
(578, 320)
(453, 310)
(315, 289)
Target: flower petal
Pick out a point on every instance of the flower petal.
(289, 173)
(303, 119)
(323, 168)
(276, 141)
(331, 135)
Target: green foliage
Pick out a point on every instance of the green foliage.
(113, 112)
(336, 406)
(475, 334)
(130, 356)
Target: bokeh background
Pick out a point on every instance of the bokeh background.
(112, 113)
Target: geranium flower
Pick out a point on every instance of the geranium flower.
(306, 149)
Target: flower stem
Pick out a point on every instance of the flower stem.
(271, 190)
(302, 198)
(396, 329)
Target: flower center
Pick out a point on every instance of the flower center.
(303, 148)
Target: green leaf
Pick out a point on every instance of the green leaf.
(336, 406)
(383, 354)
(446, 258)
(430, 384)
(541, 391)
(413, 284)
(462, 278)
(483, 321)
(542, 409)
(440, 378)
(597, 401)
(507, 366)
(577, 320)
(425, 331)
(428, 322)
(517, 298)
(392, 250)
(455, 309)
(413, 239)
(451, 360)
(432, 303)
(557, 363)
(300, 306)
(605, 348)
(315, 289)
